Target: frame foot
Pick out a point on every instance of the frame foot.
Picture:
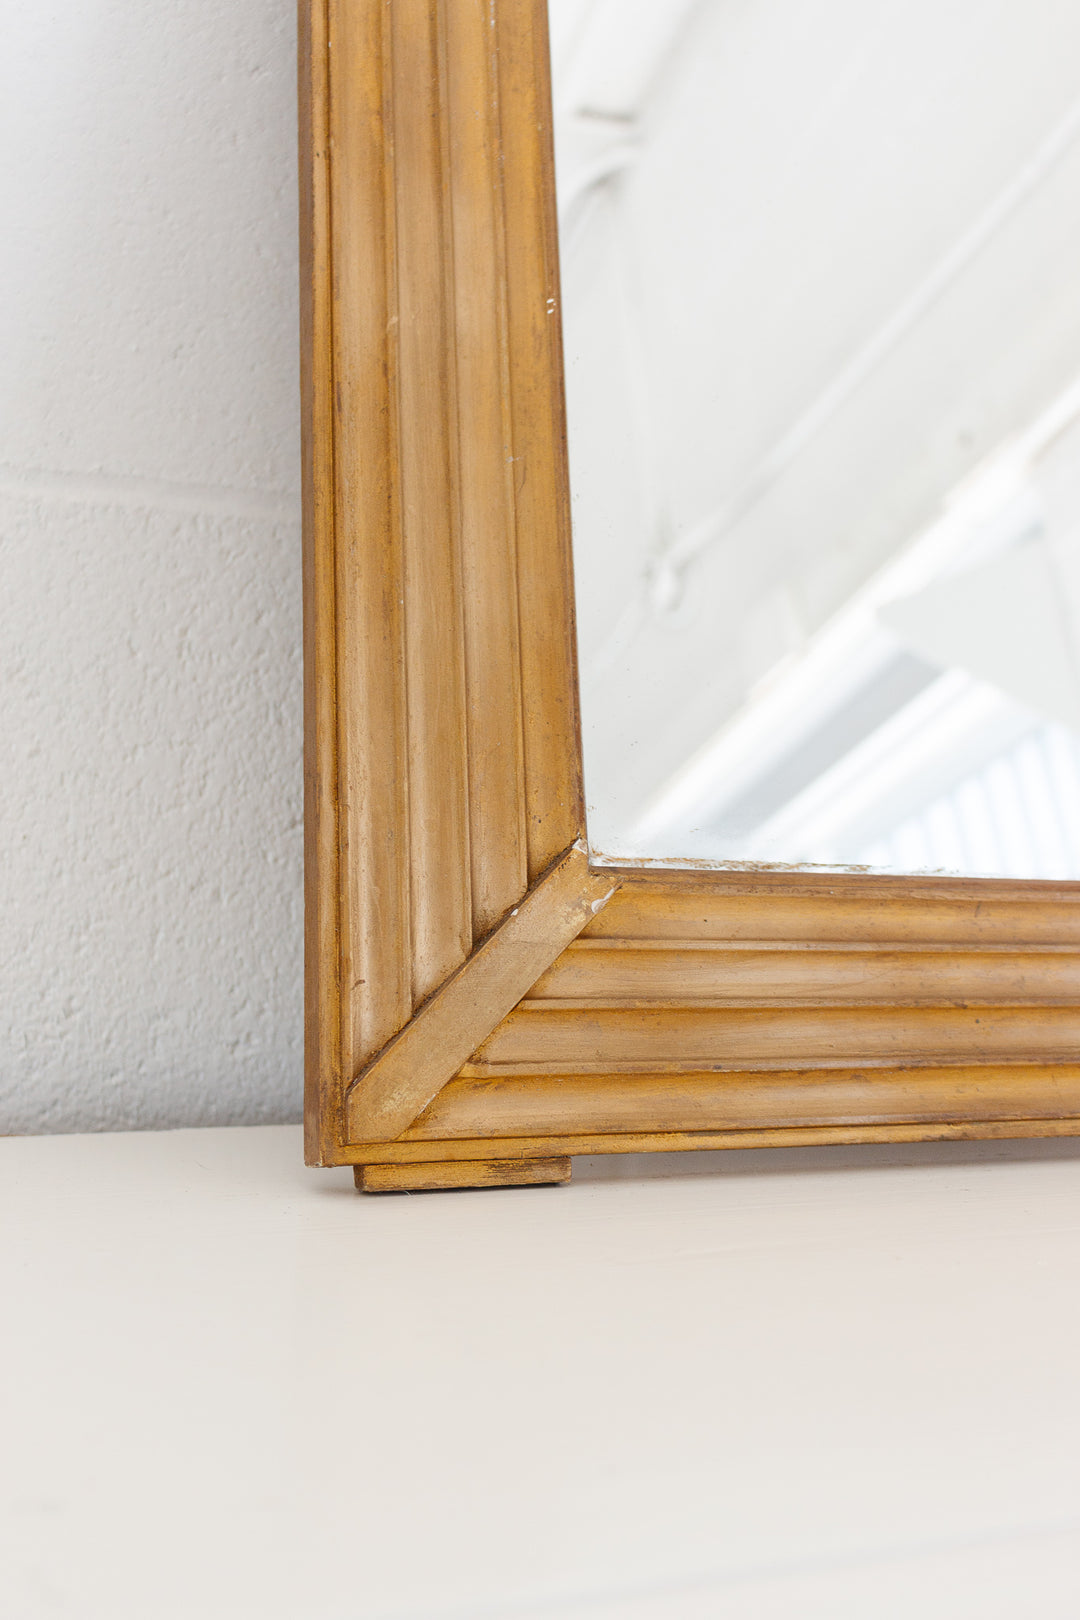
(445, 1174)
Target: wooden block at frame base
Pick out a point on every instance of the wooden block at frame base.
(449, 1174)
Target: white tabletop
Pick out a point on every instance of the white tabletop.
(836, 1383)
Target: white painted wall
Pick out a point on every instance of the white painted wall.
(150, 792)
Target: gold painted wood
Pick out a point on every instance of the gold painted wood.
(486, 483)
(669, 1039)
(322, 865)
(554, 800)
(466, 1006)
(367, 791)
(421, 327)
(389, 1094)
(410, 1152)
(443, 765)
(850, 1031)
(793, 910)
(591, 974)
(456, 1174)
(685, 1100)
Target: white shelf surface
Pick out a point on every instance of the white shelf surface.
(836, 1383)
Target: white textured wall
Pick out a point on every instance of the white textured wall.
(150, 793)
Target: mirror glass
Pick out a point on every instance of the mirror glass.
(821, 309)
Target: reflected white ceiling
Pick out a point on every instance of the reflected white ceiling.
(819, 273)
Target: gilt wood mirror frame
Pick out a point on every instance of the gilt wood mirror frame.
(483, 1000)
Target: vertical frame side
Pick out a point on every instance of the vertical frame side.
(426, 474)
(498, 842)
(373, 784)
(555, 805)
(443, 769)
(322, 1031)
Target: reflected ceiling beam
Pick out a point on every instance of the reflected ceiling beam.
(664, 586)
(998, 510)
(619, 52)
(950, 731)
(603, 80)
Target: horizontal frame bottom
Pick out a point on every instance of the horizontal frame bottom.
(402, 1153)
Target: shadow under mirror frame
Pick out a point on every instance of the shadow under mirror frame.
(483, 1000)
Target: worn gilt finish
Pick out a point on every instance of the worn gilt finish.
(482, 1002)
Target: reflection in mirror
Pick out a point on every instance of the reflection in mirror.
(822, 324)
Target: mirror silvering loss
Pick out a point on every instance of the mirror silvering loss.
(822, 326)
